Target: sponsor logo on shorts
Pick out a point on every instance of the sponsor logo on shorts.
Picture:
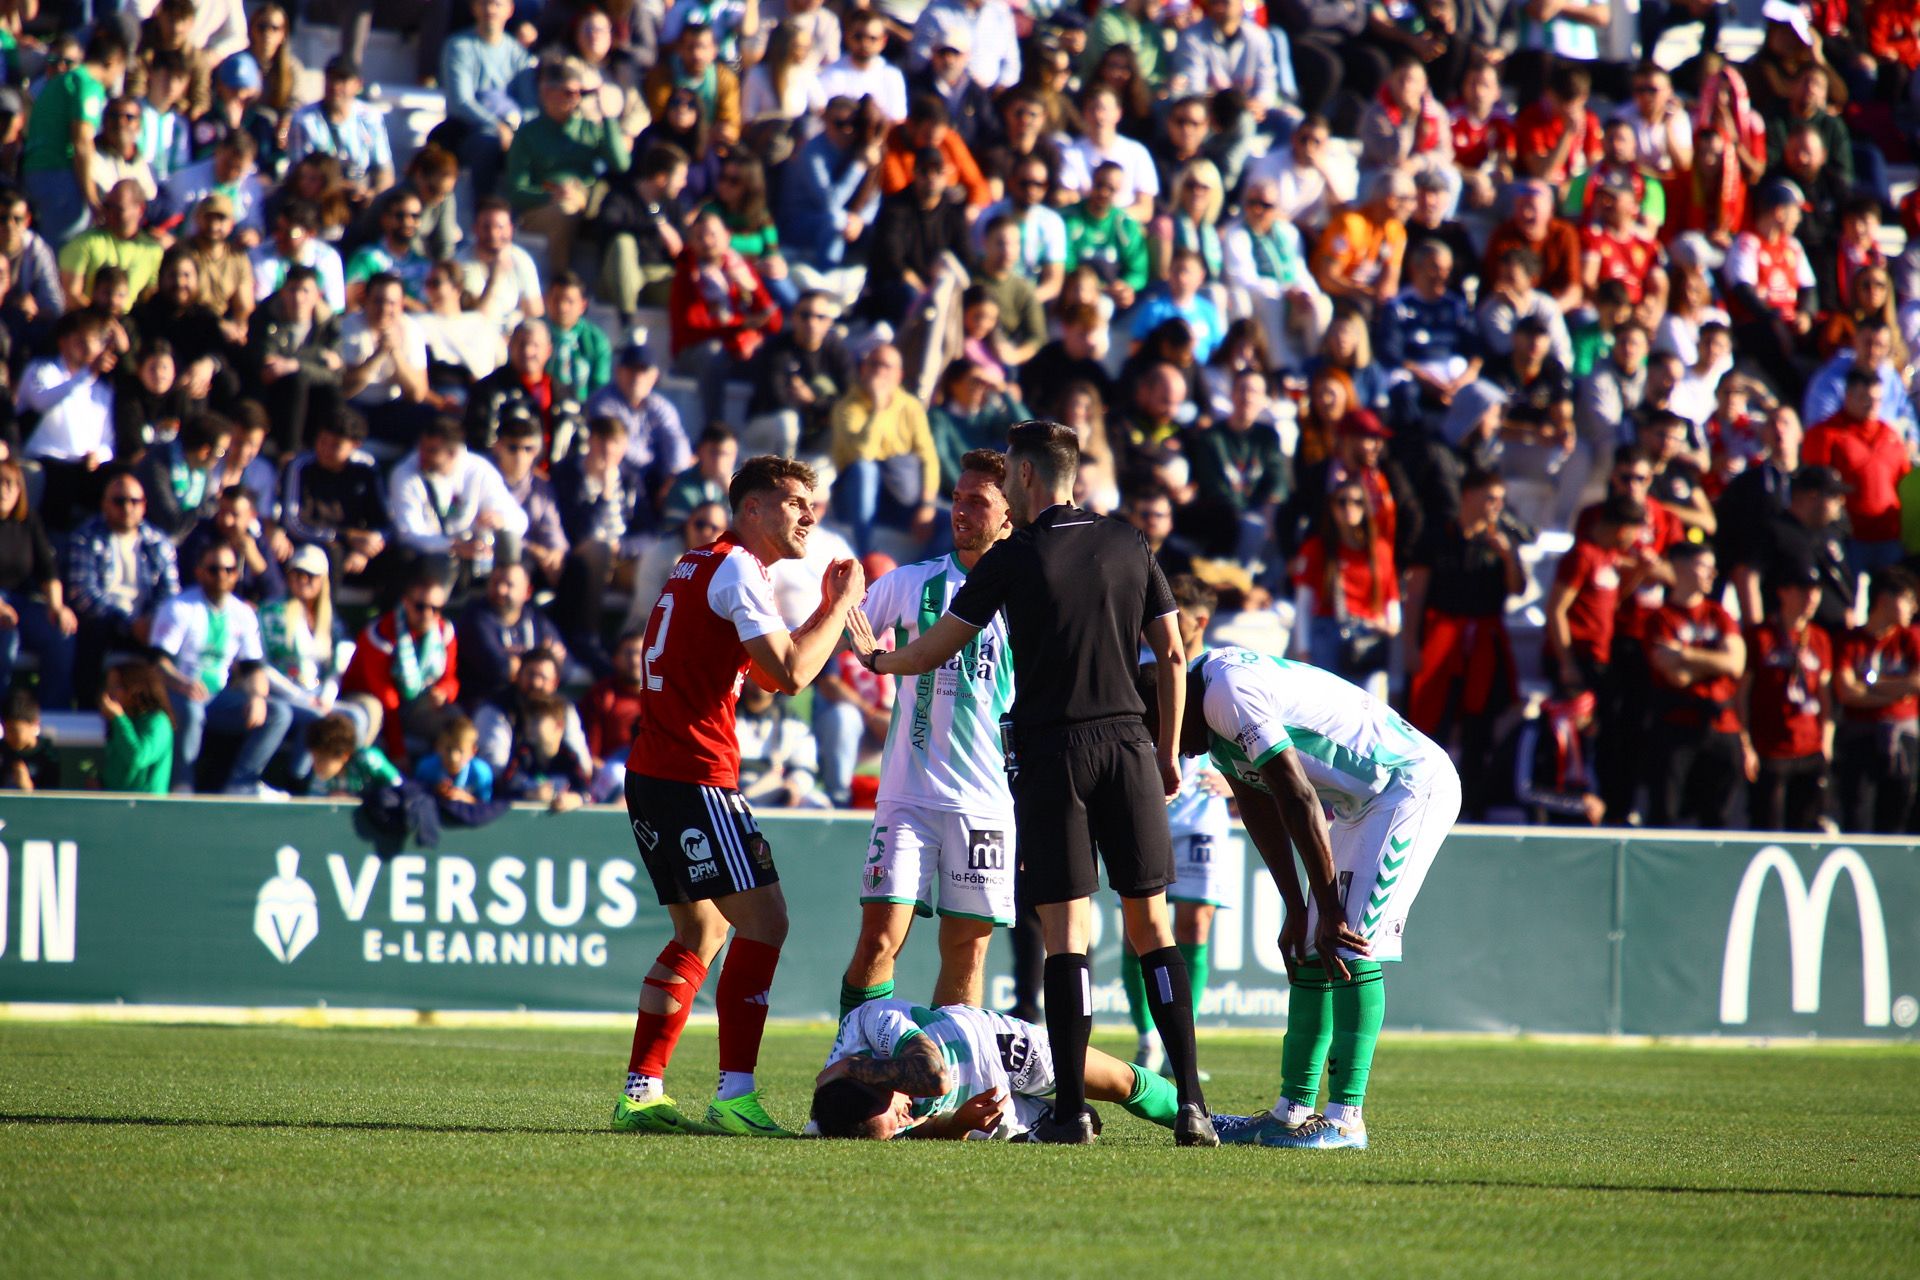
(969, 877)
(702, 871)
(986, 850)
(760, 851)
(693, 843)
(1200, 849)
(649, 838)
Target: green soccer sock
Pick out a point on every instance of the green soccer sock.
(1359, 1007)
(1136, 984)
(852, 997)
(1198, 966)
(1153, 1098)
(1309, 1032)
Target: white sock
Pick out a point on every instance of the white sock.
(644, 1088)
(1290, 1113)
(733, 1084)
(1343, 1115)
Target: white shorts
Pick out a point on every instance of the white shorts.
(1382, 854)
(1203, 868)
(973, 856)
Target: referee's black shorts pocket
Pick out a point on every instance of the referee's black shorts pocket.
(1104, 795)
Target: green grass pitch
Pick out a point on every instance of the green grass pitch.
(137, 1150)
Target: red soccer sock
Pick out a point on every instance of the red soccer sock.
(745, 982)
(656, 1034)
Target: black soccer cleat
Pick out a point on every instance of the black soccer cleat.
(1074, 1131)
(1193, 1128)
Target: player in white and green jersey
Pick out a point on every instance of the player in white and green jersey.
(1291, 738)
(1199, 822)
(898, 1068)
(943, 810)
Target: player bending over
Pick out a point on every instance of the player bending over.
(714, 624)
(1290, 737)
(943, 809)
(1198, 820)
(898, 1068)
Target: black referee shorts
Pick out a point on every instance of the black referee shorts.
(1086, 787)
(698, 842)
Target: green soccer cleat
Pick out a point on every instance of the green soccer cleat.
(662, 1115)
(745, 1117)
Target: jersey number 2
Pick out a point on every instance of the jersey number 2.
(659, 645)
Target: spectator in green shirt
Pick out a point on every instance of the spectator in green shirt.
(556, 161)
(1102, 235)
(56, 162)
(394, 253)
(341, 765)
(139, 730)
(117, 241)
(582, 358)
(1134, 22)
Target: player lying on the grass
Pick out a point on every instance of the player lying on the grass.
(1290, 737)
(1198, 821)
(943, 811)
(898, 1068)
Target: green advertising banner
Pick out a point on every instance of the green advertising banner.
(204, 902)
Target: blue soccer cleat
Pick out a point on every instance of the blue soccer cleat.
(1246, 1130)
(1317, 1133)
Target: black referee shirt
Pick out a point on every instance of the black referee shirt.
(1077, 589)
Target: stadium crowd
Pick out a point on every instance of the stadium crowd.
(324, 465)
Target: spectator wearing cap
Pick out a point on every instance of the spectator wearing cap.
(1870, 457)
(476, 67)
(516, 453)
(918, 226)
(237, 88)
(1770, 282)
(383, 359)
(557, 161)
(1554, 241)
(1266, 269)
(1696, 771)
(226, 274)
(970, 107)
(1433, 202)
(332, 497)
(984, 27)
(234, 522)
(1825, 191)
(604, 501)
(56, 164)
(292, 358)
(1877, 683)
(1872, 349)
(1785, 705)
(656, 438)
(342, 126)
(798, 375)
(35, 291)
(118, 241)
(1359, 255)
(296, 242)
(1359, 453)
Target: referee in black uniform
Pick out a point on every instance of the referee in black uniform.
(1079, 591)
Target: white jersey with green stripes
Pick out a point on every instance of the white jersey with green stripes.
(984, 1051)
(943, 746)
(1352, 746)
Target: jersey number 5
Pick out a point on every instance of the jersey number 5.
(664, 610)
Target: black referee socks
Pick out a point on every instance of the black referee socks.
(1069, 991)
(1170, 1001)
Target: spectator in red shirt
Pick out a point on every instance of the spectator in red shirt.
(1482, 134)
(1613, 248)
(1585, 597)
(1877, 678)
(1786, 709)
(1694, 648)
(608, 714)
(1869, 455)
(407, 661)
(720, 308)
(1555, 241)
(1346, 592)
(1557, 136)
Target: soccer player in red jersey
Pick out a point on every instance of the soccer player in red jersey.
(714, 625)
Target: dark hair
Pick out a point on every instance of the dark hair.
(541, 654)
(846, 1108)
(492, 204)
(141, 689)
(1612, 293)
(1481, 478)
(1052, 448)
(300, 273)
(545, 706)
(444, 429)
(105, 44)
(332, 735)
(174, 63)
(204, 430)
(764, 474)
(302, 213)
(928, 108)
(661, 159)
(434, 161)
(986, 462)
(21, 705)
(1685, 551)
(1193, 595)
(518, 426)
(565, 279)
(346, 421)
(1570, 80)
(1891, 581)
(713, 433)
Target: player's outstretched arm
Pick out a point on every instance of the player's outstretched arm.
(931, 648)
(917, 1069)
(787, 661)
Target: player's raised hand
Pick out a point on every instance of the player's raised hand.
(1332, 936)
(843, 582)
(860, 632)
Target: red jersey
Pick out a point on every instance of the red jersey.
(1788, 674)
(717, 598)
(1593, 571)
(1777, 270)
(1626, 258)
(1539, 130)
(1896, 653)
(1356, 583)
(1704, 624)
(1477, 141)
(1872, 458)
(1661, 531)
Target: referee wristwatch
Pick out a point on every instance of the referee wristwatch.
(869, 659)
